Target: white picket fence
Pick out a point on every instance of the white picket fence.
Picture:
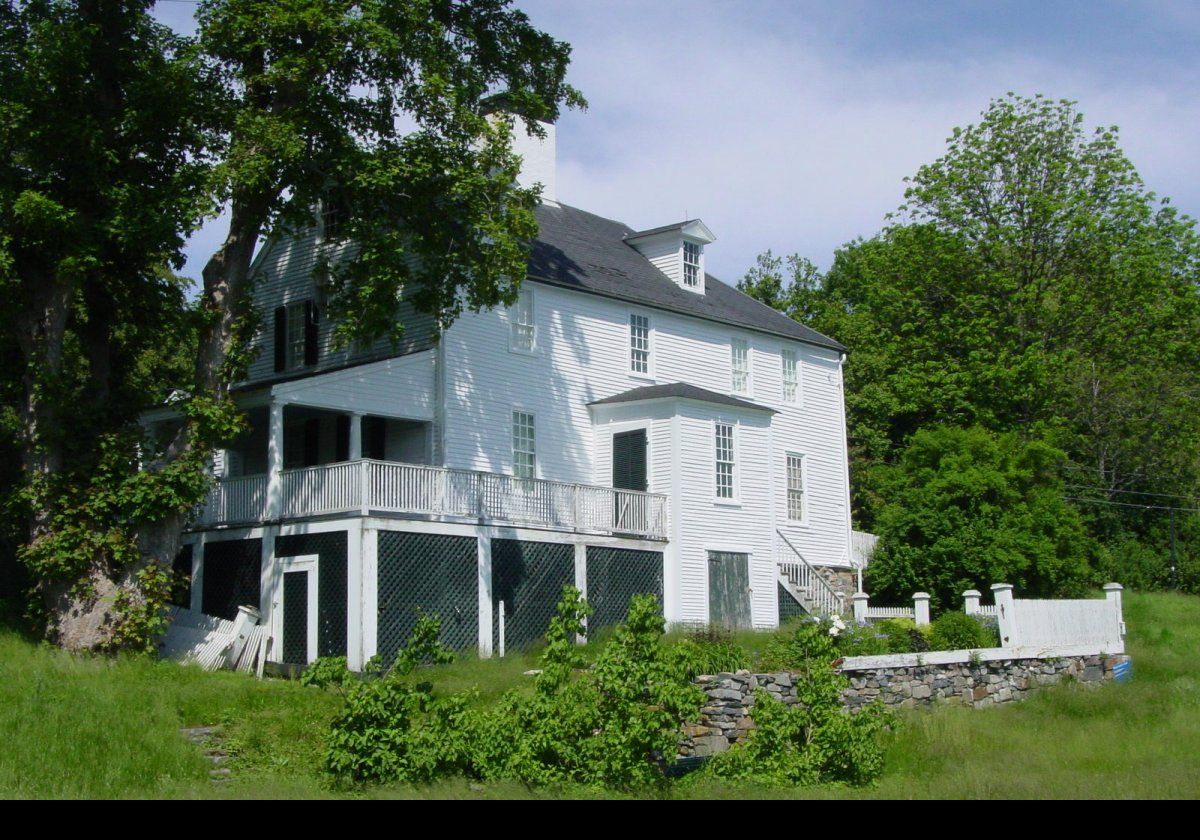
(1031, 627)
(215, 643)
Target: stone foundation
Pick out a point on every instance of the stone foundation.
(844, 581)
(972, 678)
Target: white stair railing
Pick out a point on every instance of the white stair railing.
(819, 597)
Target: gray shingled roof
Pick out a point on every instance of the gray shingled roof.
(582, 251)
(678, 390)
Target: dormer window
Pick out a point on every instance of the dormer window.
(691, 264)
(677, 251)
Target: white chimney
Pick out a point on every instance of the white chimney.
(537, 158)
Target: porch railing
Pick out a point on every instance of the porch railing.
(394, 488)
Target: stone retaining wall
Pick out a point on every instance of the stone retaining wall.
(977, 684)
(725, 718)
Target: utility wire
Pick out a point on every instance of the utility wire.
(1131, 505)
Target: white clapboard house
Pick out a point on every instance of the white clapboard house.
(631, 425)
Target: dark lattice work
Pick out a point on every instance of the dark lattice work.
(295, 618)
(529, 578)
(181, 583)
(232, 577)
(614, 575)
(330, 548)
(432, 574)
(789, 607)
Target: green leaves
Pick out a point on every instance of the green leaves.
(964, 509)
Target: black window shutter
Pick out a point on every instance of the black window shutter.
(310, 333)
(312, 442)
(280, 339)
(343, 438)
(629, 460)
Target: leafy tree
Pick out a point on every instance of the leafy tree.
(101, 179)
(965, 508)
(1029, 284)
(380, 108)
(119, 135)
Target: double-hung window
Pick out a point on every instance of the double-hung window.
(521, 326)
(524, 445)
(739, 353)
(724, 461)
(791, 377)
(795, 487)
(639, 344)
(691, 264)
(297, 321)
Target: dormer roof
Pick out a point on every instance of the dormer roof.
(692, 229)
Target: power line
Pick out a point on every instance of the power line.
(1132, 492)
(1130, 505)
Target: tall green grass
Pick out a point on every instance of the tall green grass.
(83, 727)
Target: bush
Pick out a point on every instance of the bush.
(966, 508)
(959, 631)
(864, 640)
(903, 636)
(707, 653)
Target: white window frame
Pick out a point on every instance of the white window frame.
(732, 498)
(516, 415)
(522, 315)
(747, 380)
(789, 356)
(297, 333)
(787, 487)
(648, 373)
(697, 267)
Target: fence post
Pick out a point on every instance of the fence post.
(1112, 593)
(971, 602)
(921, 608)
(1002, 595)
(364, 486)
(860, 606)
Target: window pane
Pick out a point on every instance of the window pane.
(795, 487)
(724, 461)
(639, 344)
(521, 326)
(691, 264)
(524, 450)
(296, 326)
(790, 378)
(740, 359)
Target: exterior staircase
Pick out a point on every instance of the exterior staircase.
(803, 583)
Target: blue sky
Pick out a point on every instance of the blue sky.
(790, 126)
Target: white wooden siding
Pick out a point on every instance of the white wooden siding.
(284, 272)
(582, 356)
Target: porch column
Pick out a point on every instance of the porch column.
(355, 448)
(275, 462)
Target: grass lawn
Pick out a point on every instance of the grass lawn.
(73, 727)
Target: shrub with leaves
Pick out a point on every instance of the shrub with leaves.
(959, 631)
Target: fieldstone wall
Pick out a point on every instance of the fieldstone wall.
(726, 718)
(844, 581)
(972, 684)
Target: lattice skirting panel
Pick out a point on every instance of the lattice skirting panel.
(330, 548)
(614, 575)
(789, 607)
(529, 578)
(431, 574)
(231, 577)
